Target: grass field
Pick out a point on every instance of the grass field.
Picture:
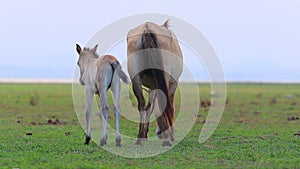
(40, 129)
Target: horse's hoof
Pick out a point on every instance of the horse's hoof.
(166, 143)
(138, 142)
(118, 144)
(159, 134)
(87, 140)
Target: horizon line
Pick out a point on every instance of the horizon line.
(70, 81)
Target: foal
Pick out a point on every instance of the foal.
(98, 74)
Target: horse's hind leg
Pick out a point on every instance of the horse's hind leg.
(138, 92)
(168, 135)
(173, 87)
(163, 130)
(104, 116)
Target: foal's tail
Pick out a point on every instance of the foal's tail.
(117, 67)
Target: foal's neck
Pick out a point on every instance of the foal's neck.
(90, 58)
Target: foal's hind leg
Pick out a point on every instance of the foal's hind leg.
(116, 87)
(104, 116)
(89, 100)
(117, 116)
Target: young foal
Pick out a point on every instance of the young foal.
(97, 74)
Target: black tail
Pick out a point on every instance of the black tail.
(149, 40)
(116, 66)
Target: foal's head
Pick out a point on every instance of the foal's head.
(83, 60)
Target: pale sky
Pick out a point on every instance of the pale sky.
(255, 40)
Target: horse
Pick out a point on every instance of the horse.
(98, 74)
(154, 61)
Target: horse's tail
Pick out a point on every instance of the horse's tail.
(149, 40)
(117, 67)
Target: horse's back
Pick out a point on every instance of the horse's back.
(163, 35)
(165, 39)
(104, 69)
(106, 59)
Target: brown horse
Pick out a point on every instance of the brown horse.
(155, 62)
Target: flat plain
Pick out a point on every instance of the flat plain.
(39, 129)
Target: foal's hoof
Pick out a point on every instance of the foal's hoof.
(118, 144)
(118, 141)
(103, 142)
(166, 143)
(87, 140)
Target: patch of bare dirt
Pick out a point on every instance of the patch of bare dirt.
(205, 103)
(254, 103)
(28, 134)
(273, 101)
(257, 113)
(55, 122)
(50, 121)
(297, 133)
(292, 118)
(67, 133)
(259, 95)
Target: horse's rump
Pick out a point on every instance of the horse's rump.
(155, 76)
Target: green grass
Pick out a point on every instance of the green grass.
(254, 131)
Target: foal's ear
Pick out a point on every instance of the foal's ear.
(78, 49)
(94, 49)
